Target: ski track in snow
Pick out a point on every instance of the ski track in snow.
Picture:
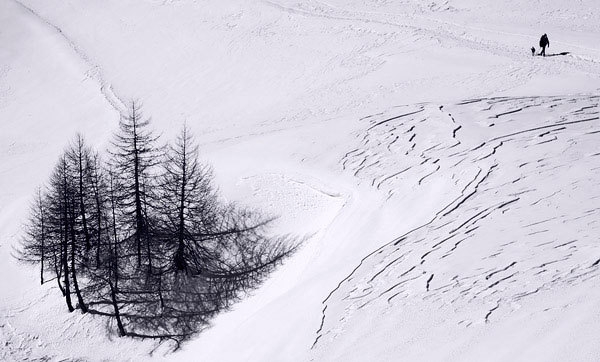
(522, 170)
(95, 71)
(445, 32)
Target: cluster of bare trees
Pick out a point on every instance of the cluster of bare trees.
(143, 238)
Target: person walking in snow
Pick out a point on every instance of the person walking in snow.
(544, 42)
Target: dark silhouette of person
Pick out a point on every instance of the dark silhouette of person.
(544, 42)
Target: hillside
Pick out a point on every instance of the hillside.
(445, 181)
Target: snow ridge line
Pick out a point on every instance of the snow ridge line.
(94, 73)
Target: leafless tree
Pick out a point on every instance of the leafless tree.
(145, 239)
(134, 156)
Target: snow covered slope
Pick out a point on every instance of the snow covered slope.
(446, 180)
(507, 254)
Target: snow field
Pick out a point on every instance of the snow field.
(443, 179)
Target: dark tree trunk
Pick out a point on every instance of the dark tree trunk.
(82, 305)
(65, 265)
(65, 235)
(113, 271)
(58, 274)
(42, 237)
(86, 231)
(139, 220)
(80, 153)
(115, 304)
(180, 262)
(98, 225)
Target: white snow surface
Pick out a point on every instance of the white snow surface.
(447, 182)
